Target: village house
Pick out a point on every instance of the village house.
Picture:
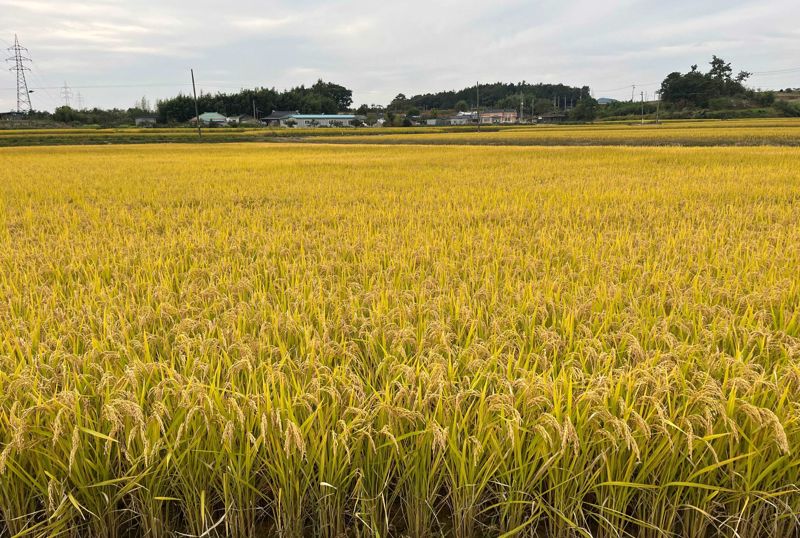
(210, 119)
(277, 116)
(321, 120)
(286, 118)
(145, 121)
(464, 118)
(552, 117)
(242, 119)
(499, 116)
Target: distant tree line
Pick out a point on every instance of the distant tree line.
(98, 116)
(321, 98)
(495, 95)
(715, 93)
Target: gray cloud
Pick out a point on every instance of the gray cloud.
(382, 48)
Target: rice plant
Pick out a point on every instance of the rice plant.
(297, 340)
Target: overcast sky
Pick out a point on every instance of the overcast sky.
(378, 48)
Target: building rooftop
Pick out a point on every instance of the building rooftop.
(212, 116)
(280, 114)
(323, 116)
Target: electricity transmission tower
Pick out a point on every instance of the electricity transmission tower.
(66, 93)
(19, 59)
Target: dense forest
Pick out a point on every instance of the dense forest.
(495, 95)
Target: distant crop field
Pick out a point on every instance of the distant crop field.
(316, 340)
(750, 132)
(778, 132)
(130, 135)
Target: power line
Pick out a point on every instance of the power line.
(47, 94)
(628, 86)
(773, 72)
(777, 71)
(106, 86)
(23, 93)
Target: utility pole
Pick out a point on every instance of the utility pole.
(19, 59)
(255, 112)
(521, 108)
(66, 93)
(633, 92)
(642, 108)
(533, 108)
(658, 104)
(196, 108)
(478, 102)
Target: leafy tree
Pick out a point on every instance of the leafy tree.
(399, 103)
(339, 95)
(720, 70)
(585, 110)
(512, 101)
(697, 89)
(788, 109)
(67, 114)
(461, 106)
(143, 104)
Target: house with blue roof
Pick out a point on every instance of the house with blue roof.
(319, 120)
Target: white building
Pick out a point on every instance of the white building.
(145, 121)
(318, 120)
(462, 120)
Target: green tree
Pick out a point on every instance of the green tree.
(720, 69)
(399, 103)
(585, 110)
(697, 89)
(67, 114)
(339, 95)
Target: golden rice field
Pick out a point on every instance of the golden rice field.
(774, 132)
(316, 340)
(131, 135)
(746, 132)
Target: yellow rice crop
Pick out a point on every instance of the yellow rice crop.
(251, 340)
(784, 132)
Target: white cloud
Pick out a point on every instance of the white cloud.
(382, 48)
(261, 23)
